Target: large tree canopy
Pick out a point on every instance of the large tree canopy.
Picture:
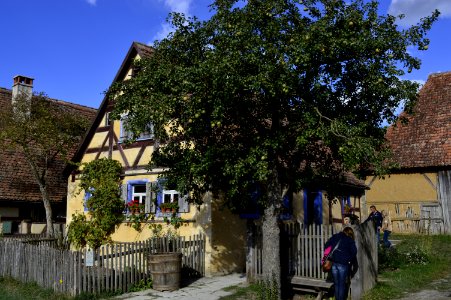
(276, 93)
(297, 88)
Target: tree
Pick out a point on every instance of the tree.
(273, 95)
(100, 179)
(46, 134)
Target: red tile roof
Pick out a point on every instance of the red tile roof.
(16, 180)
(425, 141)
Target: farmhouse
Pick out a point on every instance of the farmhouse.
(21, 207)
(417, 196)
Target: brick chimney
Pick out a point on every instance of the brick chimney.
(23, 87)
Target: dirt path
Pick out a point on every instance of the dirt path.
(437, 290)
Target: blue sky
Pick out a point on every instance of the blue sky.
(73, 48)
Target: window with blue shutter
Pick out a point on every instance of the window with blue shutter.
(85, 199)
(139, 191)
(313, 207)
(167, 195)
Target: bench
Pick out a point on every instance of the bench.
(311, 285)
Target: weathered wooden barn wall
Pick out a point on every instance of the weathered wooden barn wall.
(416, 202)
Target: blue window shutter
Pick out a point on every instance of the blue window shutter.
(318, 207)
(159, 193)
(315, 199)
(183, 204)
(85, 199)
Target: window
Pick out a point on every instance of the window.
(107, 119)
(139, 193)
(127, 135)
(85, 199)
(149, 195)
(171, 196)
(313, 207)
(88, 194)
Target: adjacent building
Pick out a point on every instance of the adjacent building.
(21, 206)
(417, 196)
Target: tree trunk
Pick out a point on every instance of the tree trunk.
(271, 237)
(48, 210)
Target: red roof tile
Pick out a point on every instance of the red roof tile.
(425, 141)
(16, 181)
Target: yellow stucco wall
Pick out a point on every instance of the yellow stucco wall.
(228, 241)
(402, 196)
(224, 232)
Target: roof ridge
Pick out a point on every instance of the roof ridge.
(62, 102)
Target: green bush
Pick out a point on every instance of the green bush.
(389, 259)
(392, 258)
(416, 256)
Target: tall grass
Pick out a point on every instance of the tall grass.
(412, 265)
(11, 289)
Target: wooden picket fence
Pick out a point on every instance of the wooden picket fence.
(115, 267)
(302, 248)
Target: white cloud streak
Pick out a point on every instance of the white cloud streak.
(414, 10)
(92, 2)
(180, 6)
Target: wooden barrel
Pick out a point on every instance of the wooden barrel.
(165, 269)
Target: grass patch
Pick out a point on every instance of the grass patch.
(248, 292)
(416, 262)
(11, 289)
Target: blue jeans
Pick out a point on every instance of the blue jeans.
(387, 243)
(340, 275)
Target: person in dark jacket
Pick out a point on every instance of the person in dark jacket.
(344, 261)
(376, 216)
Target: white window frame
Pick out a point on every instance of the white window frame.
(125, 135)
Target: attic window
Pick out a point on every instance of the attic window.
(127, 135)
(107, 119)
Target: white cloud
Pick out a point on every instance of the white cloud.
(180, 6)
(414, 10)
(92, 2)
(164, 31)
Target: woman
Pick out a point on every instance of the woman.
(344, 259)
(386, 228)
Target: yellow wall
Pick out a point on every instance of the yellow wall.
(402, 196)
(225, 233)
(228, 241)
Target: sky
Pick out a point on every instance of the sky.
(74, 48)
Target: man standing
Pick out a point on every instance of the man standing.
(376, 216)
